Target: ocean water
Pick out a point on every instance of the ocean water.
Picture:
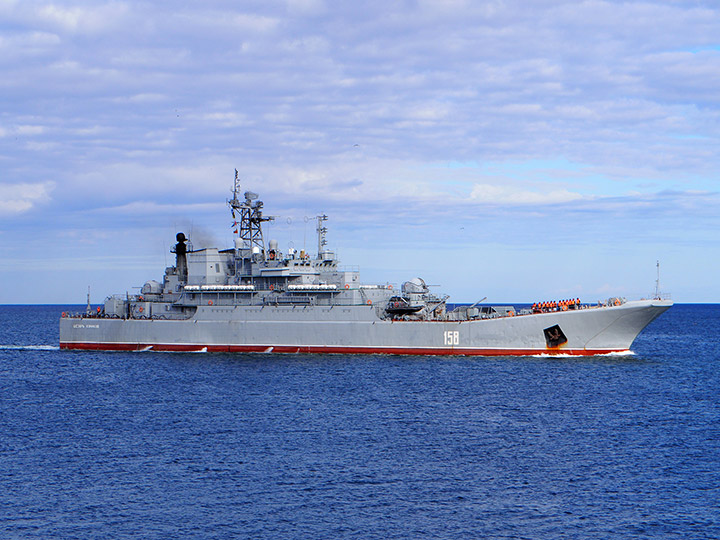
(153, 445)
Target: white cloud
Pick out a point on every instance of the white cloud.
(19, 198)
(27, 43)
(66, 17)
(29, 130)
(150, 207)
(244, 22)
(90, 20)
(306, 7)
(226, 119)
(150, 97)
(493, 194)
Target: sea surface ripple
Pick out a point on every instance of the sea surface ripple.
(149, 445)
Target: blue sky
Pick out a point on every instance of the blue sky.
(513, 150)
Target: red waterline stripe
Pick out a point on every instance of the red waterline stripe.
(314, 349)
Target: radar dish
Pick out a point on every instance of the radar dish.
(250, 195)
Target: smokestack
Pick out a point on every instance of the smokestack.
(180, 250)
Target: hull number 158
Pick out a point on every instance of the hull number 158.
(452, 337)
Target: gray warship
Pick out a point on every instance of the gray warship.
(254, 298)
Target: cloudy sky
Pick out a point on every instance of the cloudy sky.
(519, 150)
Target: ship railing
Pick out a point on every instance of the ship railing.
(649, 296)
(329, 287)
(659, 296)
(218, 288)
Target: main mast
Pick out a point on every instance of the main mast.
(249, 212)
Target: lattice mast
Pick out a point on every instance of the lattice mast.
(321, 232)
(249, 214)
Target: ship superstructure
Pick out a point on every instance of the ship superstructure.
(253, 297)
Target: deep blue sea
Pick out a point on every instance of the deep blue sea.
(157, 445)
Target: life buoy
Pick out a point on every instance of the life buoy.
(64, 314)
(369, 302)
(617, 301)
(98, 309)
(210, 302)
(347, 286)
(272, 287)
(390, 287)
(140, 309)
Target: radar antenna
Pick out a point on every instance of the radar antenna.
(657, 282)
(249, 213)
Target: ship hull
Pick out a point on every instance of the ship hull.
(358, 330)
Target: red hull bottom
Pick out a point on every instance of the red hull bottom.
(318, 349)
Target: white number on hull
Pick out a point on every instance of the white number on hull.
(452, 337)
